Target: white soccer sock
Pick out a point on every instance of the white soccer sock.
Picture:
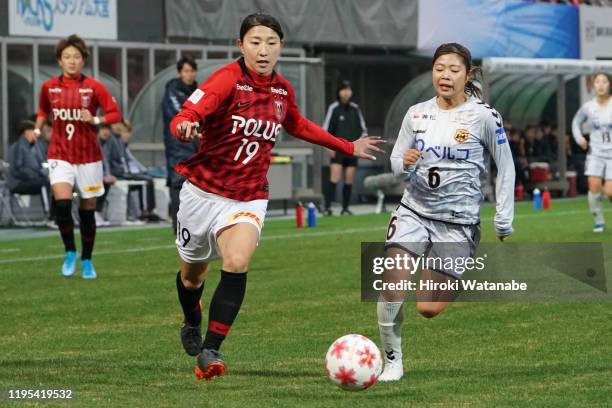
(390, 318)
(596, 207)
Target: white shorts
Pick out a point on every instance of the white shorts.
(201, 216)
(88, 177)
(598, 167)
(426, 237)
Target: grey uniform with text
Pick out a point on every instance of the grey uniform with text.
(445, 185)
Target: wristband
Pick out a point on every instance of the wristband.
(96, 120)
(37, 131)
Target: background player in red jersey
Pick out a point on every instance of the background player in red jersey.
(237, 114)
(74, 153)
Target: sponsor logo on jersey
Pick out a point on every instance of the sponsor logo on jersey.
(55, 90)
(244, 87)
(256, 127)
(243, 104)
(462, 135)
(66, 114)
(442, 151)
(85, 90)
(196, 96)
(501, 136)
(279, 107)
(246, 214)
(93, 189)
(279, 91)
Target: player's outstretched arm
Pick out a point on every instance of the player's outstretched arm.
(366, 145)
(579, 118)
(186, 130)
(495, 140)
(404, 156)
(304, 129)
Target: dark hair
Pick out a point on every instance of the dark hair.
(187, 59)
(466, 56)
(260, 19)
(25, 125)
(344, 84)
(596, 74)
(71, 41)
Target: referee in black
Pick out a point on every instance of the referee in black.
(343, 119)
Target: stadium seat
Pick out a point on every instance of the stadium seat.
(117, 198)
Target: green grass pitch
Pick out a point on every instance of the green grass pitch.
(115, 340)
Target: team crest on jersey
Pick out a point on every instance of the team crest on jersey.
(279, 106)
(462, 135)
(85, 100)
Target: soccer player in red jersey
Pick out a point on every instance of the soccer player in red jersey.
(74, 154)
(237, 114)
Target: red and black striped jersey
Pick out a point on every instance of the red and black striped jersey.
(240, 115)
(63, 97)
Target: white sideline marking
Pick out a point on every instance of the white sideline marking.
(275, 237)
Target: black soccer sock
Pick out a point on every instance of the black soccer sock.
(346, 195)
(330, 195)
(190, 302)
(88, 232)
(63, 217)
(224, 308)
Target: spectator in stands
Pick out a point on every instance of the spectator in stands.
(521, 165)
(26, 174)
(529, 141)
(550, 137)
(542, 150)
(45, 137)
(177, 92)
(132, 169)
(107, 142)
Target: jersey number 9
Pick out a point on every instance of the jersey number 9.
(250, 149)
(70, 130)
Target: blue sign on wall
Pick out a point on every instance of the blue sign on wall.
(505, 28)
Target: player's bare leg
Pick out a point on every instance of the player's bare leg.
(349, 175)
(431, 303)
(237, 244)
(389, 310)
(190, 285)
(335, 174)
(596, 203)
(63, 206)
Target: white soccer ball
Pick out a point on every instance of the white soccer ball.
(353, 362)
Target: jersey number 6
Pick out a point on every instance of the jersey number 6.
(433, 178)
(250, 149)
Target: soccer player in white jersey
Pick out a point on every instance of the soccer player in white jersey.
(440, 150)
(598, 167)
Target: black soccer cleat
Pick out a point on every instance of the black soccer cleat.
(191, 337)
(209, 365)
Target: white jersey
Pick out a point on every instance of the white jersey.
(600, 120)
(444, 184)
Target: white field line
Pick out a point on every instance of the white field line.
(276, 237)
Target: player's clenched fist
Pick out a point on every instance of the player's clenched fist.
(188, 131)
(411, 157)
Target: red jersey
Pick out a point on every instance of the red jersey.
(240, 115)
(73, 140)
